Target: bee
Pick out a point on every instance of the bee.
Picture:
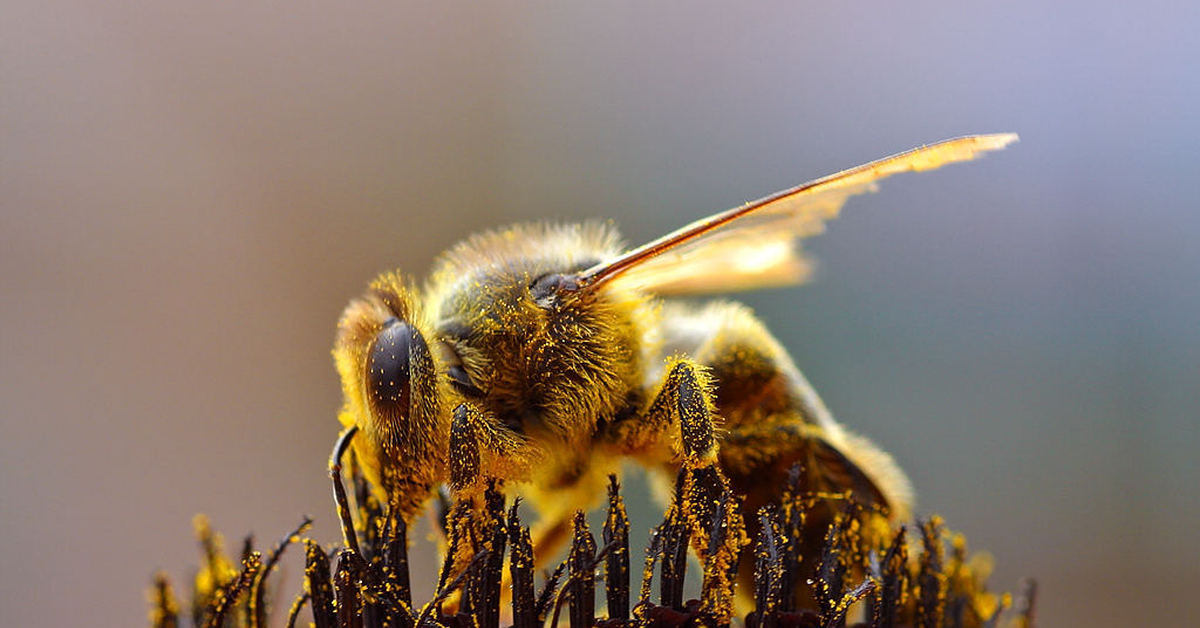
(544, 356)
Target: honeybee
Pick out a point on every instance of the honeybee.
(544, 356)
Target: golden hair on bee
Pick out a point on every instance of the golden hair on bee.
(541, 356)
(567, 356)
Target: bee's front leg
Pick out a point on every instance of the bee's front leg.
(465, 478)
(484, 450)
(482, 453)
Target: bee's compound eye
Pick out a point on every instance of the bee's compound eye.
(388, 366)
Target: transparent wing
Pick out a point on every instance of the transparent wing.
(756, 245)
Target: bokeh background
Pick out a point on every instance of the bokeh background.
(191, 191)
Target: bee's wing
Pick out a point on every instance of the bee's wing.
(756, 245)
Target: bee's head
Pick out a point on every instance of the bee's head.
(391, 389)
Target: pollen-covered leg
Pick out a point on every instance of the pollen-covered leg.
(772, 419)
(677, 432)
(686, 398)
(678, 424)
(466, 489)
(481, 452)
(683, 414)
(482, 448)
(464, 452)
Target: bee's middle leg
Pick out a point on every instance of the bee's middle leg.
(677, 433)
(680, 425)
(678, 422)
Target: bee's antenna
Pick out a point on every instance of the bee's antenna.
(339, 491)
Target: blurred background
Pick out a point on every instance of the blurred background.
(192, 191)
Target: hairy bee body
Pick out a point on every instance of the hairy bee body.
(564, 384)
(542, 357)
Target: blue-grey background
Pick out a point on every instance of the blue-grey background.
(191, 191)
